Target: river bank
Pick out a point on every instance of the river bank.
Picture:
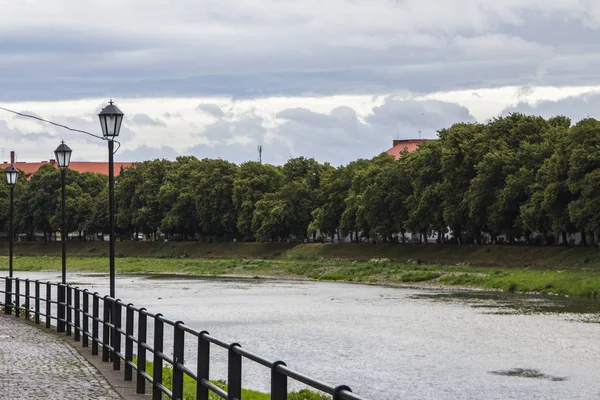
(506, 256)
(583, 282)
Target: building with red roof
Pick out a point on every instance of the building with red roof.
(30, 168)
(400, 145)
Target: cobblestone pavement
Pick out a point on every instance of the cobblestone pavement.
(40, 365)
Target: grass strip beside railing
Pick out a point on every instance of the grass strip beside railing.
(189, 387)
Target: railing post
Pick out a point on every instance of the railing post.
(278, 382)
(8, 295)
(69, 309)
(95, 330)
(60, 310)
(48, 305)
(116, 336)
(234, 373)
(17, 297)
(157, 373)
(85, 318)
(178, 359)
(77, 316)
(105, 329)
(203, 366)
(27, 295)
(338, 390)
(141, 353)
(128, 342)
(37, 302)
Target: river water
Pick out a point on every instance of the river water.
(384, 342)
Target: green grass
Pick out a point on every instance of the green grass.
(502, 256)
(189, 388)
(566, 282)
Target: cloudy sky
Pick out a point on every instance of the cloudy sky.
(332, 79)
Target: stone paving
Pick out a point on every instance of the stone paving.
(41, 365)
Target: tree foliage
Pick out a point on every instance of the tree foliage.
(518, 177)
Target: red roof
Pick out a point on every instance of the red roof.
(80, 166)
(409, 145)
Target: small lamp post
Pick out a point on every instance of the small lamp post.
(63, 158)
(110, 121)
(12, 174)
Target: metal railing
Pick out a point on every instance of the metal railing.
(75, 311)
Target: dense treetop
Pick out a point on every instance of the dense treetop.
(517, 176)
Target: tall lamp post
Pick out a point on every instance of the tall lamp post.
(12, 174)
(63, 158)
(110, 121)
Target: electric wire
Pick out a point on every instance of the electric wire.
(61, 126)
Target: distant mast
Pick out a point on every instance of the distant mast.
(259, 148)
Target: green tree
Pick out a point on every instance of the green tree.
(252, 182)
(42, 198)
(424, 204)
(177, 197)
(284, 214)
(546, 209)
(213, 184)
(331, 196)
(523, 149)
(584, 171)
(460, 154)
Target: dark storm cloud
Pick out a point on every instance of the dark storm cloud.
(280, 49)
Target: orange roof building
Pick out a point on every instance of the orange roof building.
(30, 168)
(399, 145)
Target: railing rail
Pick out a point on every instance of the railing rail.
(69, 307)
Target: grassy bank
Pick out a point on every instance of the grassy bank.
(189, 388)
(565, 282)
(489, 255)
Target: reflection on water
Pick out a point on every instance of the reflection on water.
(528, 373)
(385, 343)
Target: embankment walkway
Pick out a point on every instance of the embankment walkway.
(42, 365)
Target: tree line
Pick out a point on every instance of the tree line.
(524, 178)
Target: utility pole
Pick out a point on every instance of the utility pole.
(259, 148)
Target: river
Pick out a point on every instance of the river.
(385, 343)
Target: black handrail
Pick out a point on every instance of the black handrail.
(71, 306)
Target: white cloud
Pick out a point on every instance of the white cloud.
(487, 103)
(211, 109)
(336, 129)
(335, 79)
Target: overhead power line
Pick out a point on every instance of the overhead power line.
(59, 125)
